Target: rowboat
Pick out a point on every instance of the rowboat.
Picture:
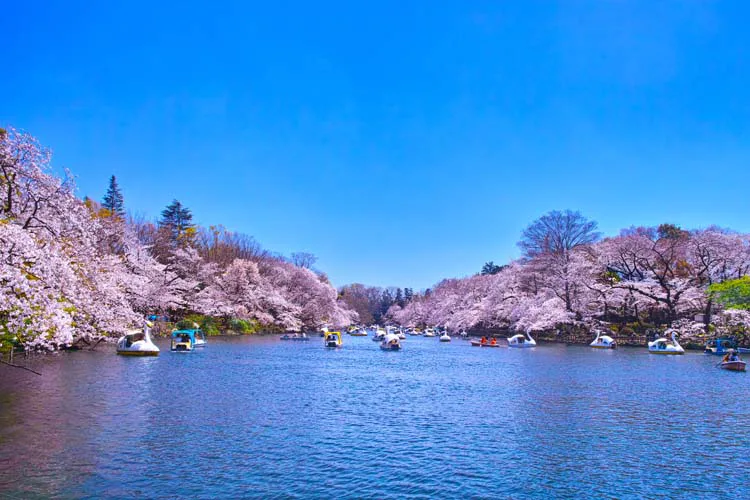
(732, 362)
(479, 343)
(735, 366)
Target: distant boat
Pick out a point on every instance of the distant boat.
(391, 342)
(137, 343)
(358, 332)
(200, 338)
(182, 341)
(663, 346)
(295, 336)
(333, 339)
(732, 362)
(519, 340)
(720, 346)
(485, 343)
(429, 332)
(445, 337)
(603, 341)
(379, 334)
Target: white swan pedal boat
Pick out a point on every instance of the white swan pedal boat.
(603, 342)
(137, 343)
(521, 341)
(664, 346)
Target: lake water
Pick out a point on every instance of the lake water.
(257, 417)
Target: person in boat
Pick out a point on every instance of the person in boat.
(493, 341)
(484, 340)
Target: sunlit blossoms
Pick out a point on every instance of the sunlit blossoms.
(72, 270)
(569, 277)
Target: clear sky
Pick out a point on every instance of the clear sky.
(401, 142)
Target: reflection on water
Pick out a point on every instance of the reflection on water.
(260, 417)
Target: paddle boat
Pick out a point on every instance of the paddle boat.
(358, 332)
(664, 346)
(379, 334)
(429, 332)
(445, 337)
(603, 341)
(391, 342)
(720, 346)
(137, 343)
(182, 341)
(463, 334)
(485, 342)
(732, 362)
(333, 339)
(521, 340)
(199, 338)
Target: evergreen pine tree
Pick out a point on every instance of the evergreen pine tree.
(113, 200)
(177, 219)
(399, 299)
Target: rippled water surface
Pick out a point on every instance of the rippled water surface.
(257, 417)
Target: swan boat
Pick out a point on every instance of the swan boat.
(379, 334)
(445, 337)
(664, 346)
(137, 343)
(391, 342)
(429, 332)
(333, 339)
(358, 332)
(521, 340)
(603, 342)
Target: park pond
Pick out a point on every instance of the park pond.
(256, 417)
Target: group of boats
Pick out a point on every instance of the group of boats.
(390, 337)
(722, 347)
(138, 342)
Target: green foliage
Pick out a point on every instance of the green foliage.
(218, 326)
(671, 232)
(113, 201)
(178, 220)
(732, 294)
(244, 326)
(209, 324)
(491, 268)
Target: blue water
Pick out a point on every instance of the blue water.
(257, 417)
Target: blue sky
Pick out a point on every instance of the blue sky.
(400, 142)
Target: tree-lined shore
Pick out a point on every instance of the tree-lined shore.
(75, 271)
(570, 280)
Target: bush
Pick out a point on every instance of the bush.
(244, 326)
(209, 324)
